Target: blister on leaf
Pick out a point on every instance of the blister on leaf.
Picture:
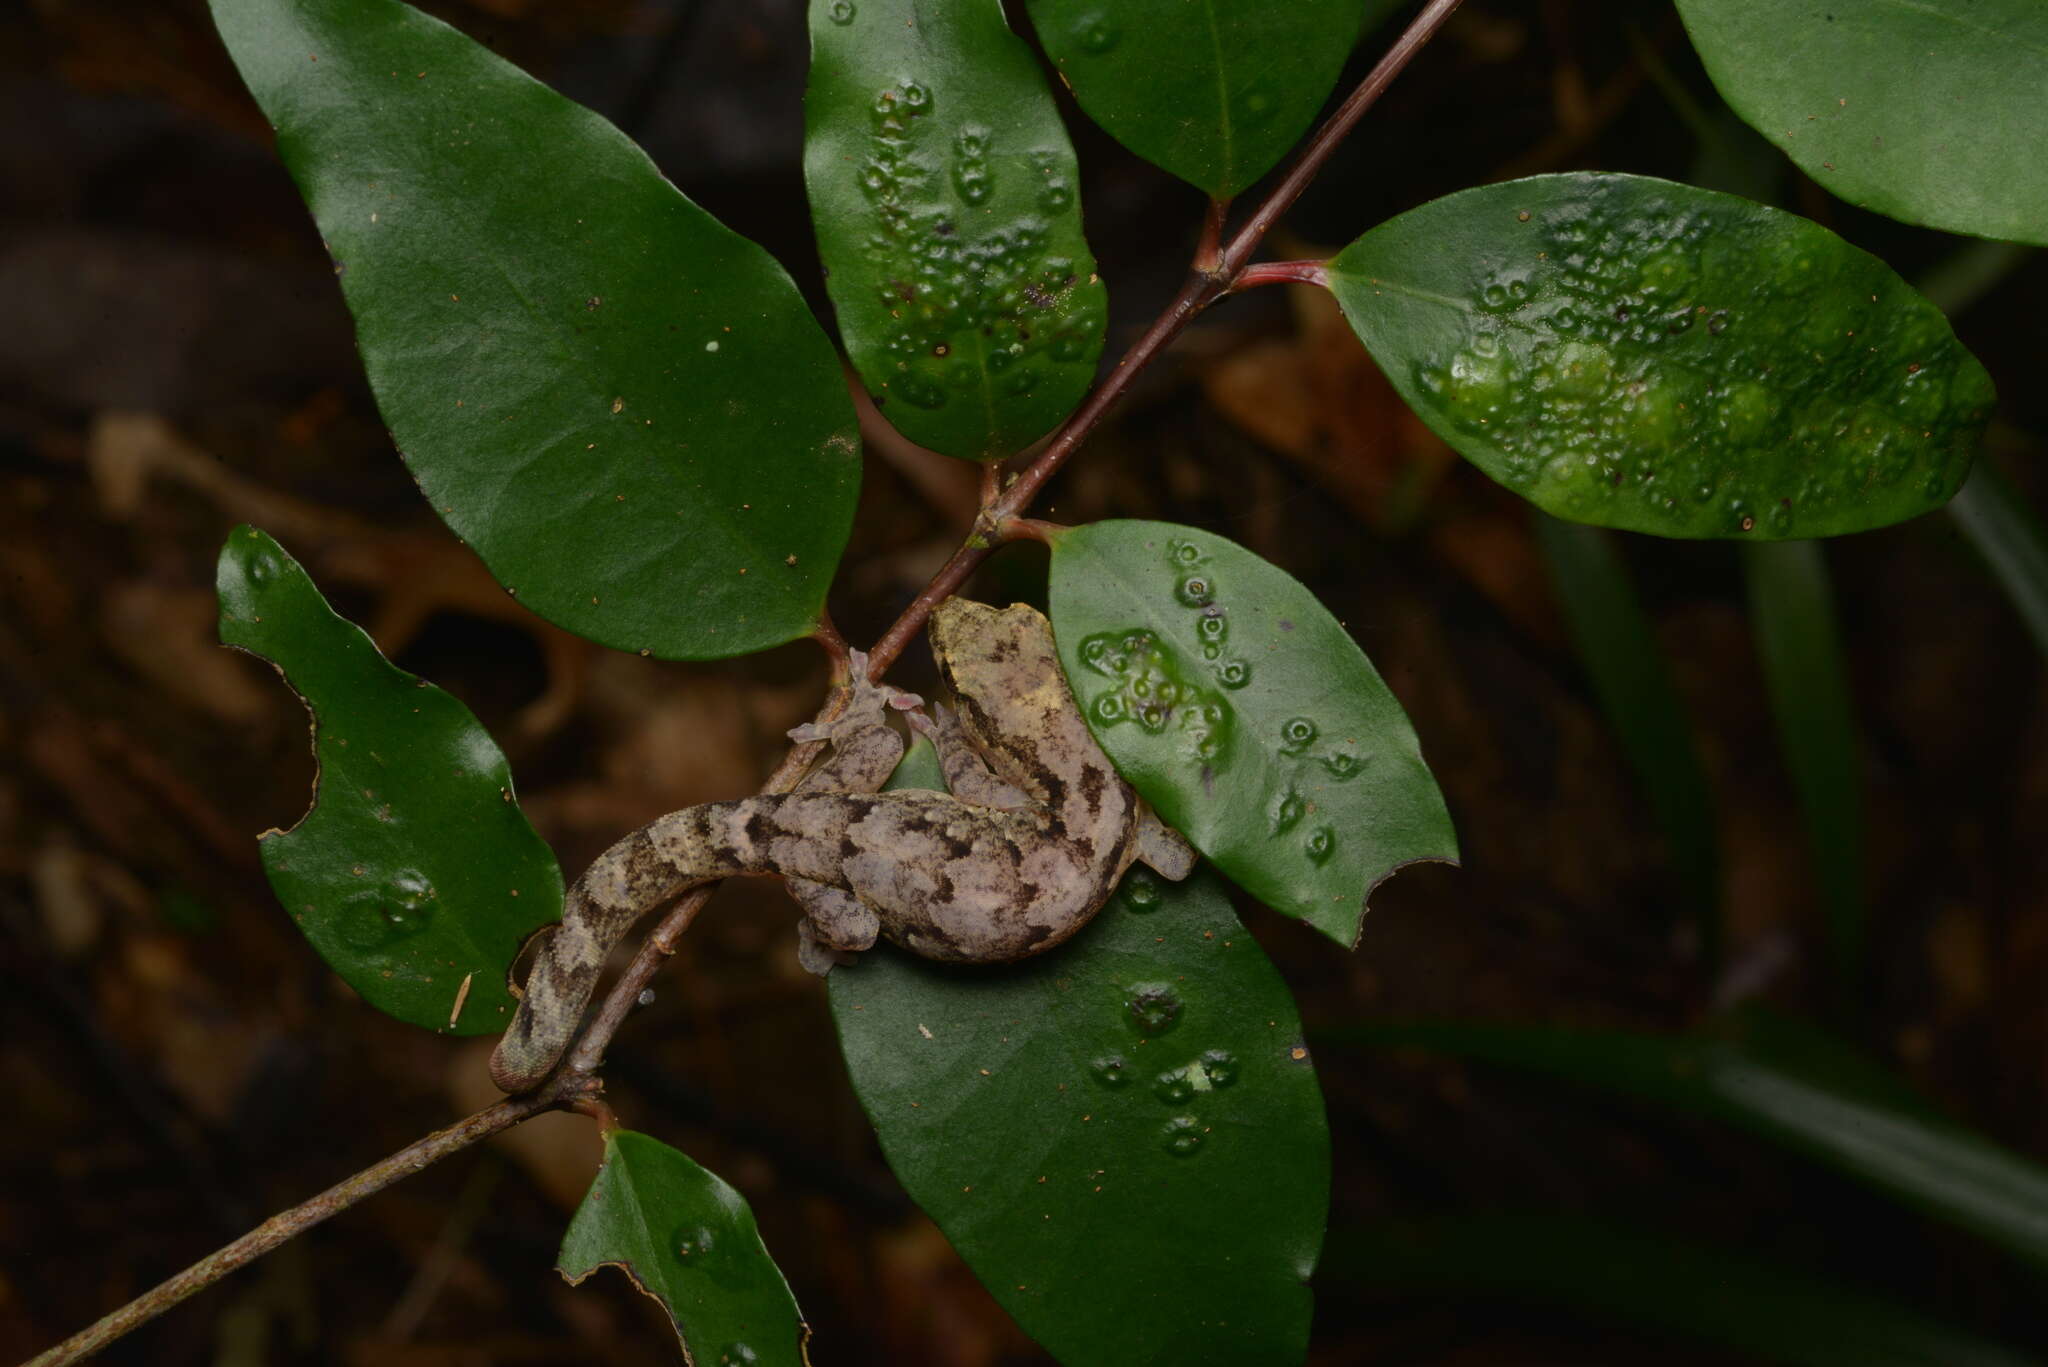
(625, 407)
(414, 873)
(1124, 1138)
(1232, 700)
(947, 207)
(1638, 354)
(688, 1240)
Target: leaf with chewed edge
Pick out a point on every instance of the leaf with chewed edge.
(1236, 705)
(414, 873)
(688, 1240)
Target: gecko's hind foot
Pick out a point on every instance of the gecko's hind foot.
(815, 955)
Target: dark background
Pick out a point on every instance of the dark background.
(176, 1063)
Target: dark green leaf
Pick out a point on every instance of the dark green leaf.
(1215, 91)
(2009, 537)
(1779, 1312)
(414, 873)
(1639, 354)
(1930, 111)
(1246, 715)
(1123, 1138)
(1627, 671)
(1799, 645)
(688, 1240)
(918, 769)
(622, 405)
(946, 201)
(1794, 1088)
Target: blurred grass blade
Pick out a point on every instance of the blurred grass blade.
(2005, 532)
(1970, 272)
(1777, 1312)
(1799, 646)
(1797, 1088)
(1627, 671)
(1991, 512)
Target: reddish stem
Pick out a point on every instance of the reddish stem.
(1209, 247)
(1280, 273)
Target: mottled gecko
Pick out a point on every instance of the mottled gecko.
(1034, 835)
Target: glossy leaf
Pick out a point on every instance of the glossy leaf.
(1124, 1138)
(1626, 667)
(918, 769)
(1799, 645)
(1638, 354)
(945, 197)
(414, 874)
(2006, 533)
(688, 1240)
(1929, 111)
(1246, 715)
(1215, 91)
(1792, 1087)
(1780, 1312)
(622, 405)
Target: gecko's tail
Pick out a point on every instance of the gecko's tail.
(653, 866)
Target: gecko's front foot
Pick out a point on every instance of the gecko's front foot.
(869, 703)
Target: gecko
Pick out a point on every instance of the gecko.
(1033, 836)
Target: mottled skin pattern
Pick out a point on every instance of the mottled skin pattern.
(1030, 842)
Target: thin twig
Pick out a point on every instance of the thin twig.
(1319, 148)
(826, 634)
(290, 1224)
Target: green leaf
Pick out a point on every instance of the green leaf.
(1780, 1312)
(688, 1240)
(414, 873)
(623, 406)
(1638, 354)
(1926, 110)
(1790, 1086)
(2006, 533)
(1124, 1138)
(945, 196)
(918, 769)
(1799, 645)
(1246, 715)
(1215, 91)
(1627, 670)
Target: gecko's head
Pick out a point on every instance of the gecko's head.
(988, 651)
